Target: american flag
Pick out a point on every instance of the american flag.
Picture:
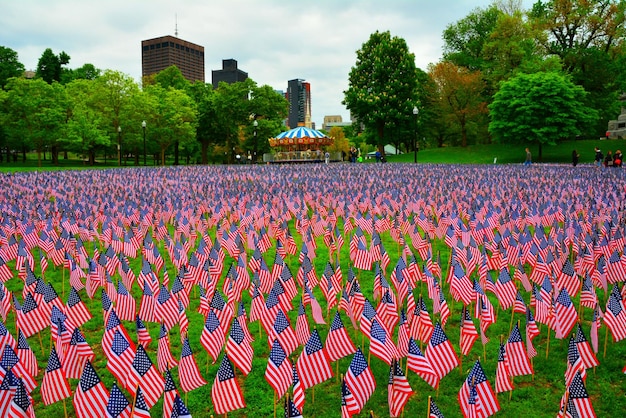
(338, 342)
(381, 344)
(180, 410)
(212, 338)
(578, 401)
(125, 306)
(165, 359)
(517, 357)
(418, 363)
(282, 331)
(225, 393)
(574, 363)
(145, 374)
(615, 315)
(531, 332)
(21, 404)
(505, 289)
(78, 353)
(302, 326)
(76, 310)
(140, 409)
(503, 375)
(359, 379)
(485, 397)
(169, 394)
(238, 347)
(349, 406)
(91, 397)
(584, 349)
(565, 313)
(26, 355)
(440, 353)
(29, 318)
(54, 386)
(278, 372)
(469, 335)
(190, 377)
(143, 336)
(10, 360)
(120, 358)
(399, 390)
(7, 391)
(297, 388)
(313, 364)
(166, 309)
(433, 409)
(118, 406)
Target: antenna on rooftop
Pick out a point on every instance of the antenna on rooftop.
(176, 25)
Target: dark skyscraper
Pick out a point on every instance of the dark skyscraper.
(160, 53)
(299, 98)
(229, 73)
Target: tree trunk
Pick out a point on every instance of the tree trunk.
(205, 150)
(162, 156)
(176, 153)
(540, 155)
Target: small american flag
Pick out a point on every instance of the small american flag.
(225, 393)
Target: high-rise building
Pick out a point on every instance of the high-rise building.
(160, 53)
(229, 73)
(299, 98)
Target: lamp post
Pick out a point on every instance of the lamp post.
(119, 145)
(143, 126)
(256, 125)
(416, 112)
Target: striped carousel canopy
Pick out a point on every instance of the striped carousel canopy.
(301, 132)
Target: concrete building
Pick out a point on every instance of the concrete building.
(160, 53)
(229, 73)
(334, 120)
(299, 98)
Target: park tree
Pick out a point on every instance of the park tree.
(86, 72)
(10, 66)
(588, 38)
(464, 40)
(206, 132)
(86, 129)
(382, 87)
(113, 95)
(541, 108)
(50, 66)
(340, 142)
(174, 118)
(34, 115)
(269, 109)
(459, 91)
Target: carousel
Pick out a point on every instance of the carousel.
(299, 145)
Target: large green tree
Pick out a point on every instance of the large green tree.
(50, 66)
(588, 37)
(539, 108)
(383, 85)
(10, 66)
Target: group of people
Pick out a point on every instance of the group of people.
(610, 160)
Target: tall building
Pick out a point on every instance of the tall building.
(160, 53)
(229, 73)
(299, 98)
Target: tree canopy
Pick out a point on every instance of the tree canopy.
(541, 108)
(10, 66)
(383, 85)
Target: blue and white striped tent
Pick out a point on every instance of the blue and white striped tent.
(301, 132)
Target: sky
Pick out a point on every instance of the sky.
(272, 40)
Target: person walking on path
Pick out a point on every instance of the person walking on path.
(529, 158)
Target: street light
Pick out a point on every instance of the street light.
(143, 126)
(256, 125)
(416, 112)
(119, 145)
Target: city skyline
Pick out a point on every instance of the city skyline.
(274, 41)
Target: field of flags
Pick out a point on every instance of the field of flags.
(313, 290)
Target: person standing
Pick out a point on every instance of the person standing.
(575, 157)
(608, 160)
(529, 158)
(597, 160)
(617, 159)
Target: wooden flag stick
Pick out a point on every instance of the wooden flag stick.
(275, 403)
(606, 339)
(428, 413)
(548, 343)
(41, 344)
(64, 408)
(563, 413)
